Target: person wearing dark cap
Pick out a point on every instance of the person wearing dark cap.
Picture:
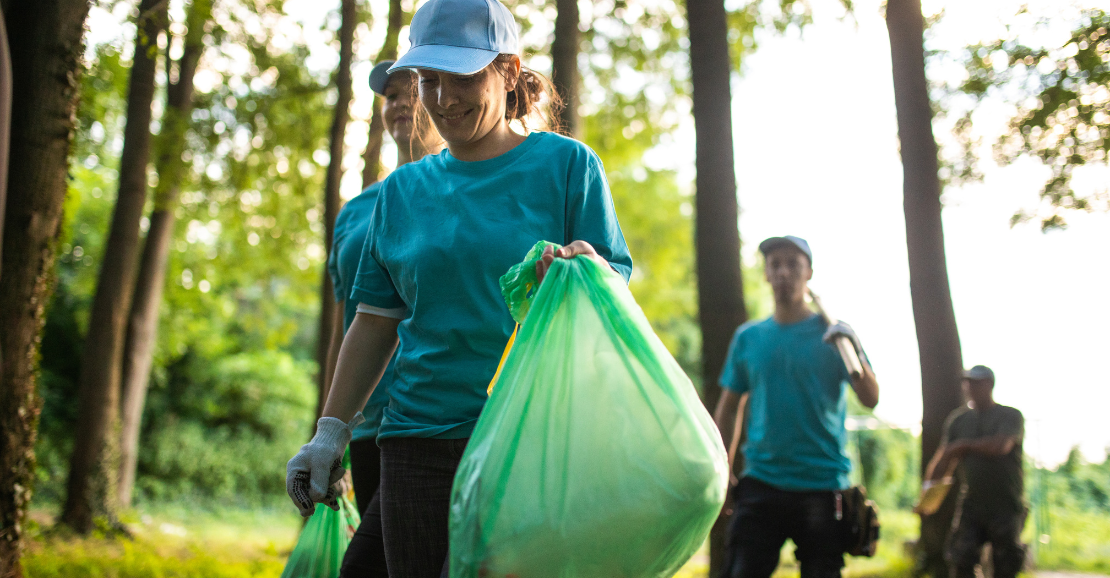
(443, 231)
(982, 443)
(365, 555)
(785, 371)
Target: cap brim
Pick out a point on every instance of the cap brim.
(773, 243)
(379, 76)
(453, 59)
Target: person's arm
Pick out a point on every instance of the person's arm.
(949, 455)
(334, 344)
(866, 385)
(729, 416)
(362, 360)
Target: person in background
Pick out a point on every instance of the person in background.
(366, 554)
(443, 231)
(983, 444)
(791, 379)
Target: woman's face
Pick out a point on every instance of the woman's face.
(464, 109)
(397, 107)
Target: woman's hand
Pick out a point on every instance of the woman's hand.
(572, 250)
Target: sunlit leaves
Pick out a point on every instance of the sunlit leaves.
(1062, 100)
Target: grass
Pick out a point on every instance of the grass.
(170, 543)
(1073, 541)
(179, 541)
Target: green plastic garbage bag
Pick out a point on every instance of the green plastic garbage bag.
(323, 541)
(594, 457)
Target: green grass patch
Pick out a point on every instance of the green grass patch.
(173, 542)
(1073, 541)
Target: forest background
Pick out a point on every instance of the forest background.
(232, 390)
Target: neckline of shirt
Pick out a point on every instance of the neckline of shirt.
(496, 162)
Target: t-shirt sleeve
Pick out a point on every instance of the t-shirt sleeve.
(734, 374)
(1012, 424)
(373, 284)
(591, 216)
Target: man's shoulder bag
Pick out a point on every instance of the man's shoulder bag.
(860, 519)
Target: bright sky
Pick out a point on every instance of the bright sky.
(817, 156)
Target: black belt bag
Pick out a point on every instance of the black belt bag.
(860, 521)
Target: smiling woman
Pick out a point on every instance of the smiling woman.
(442, 231)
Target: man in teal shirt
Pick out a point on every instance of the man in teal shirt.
(793, 382)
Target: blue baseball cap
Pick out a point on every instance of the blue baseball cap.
(459, 36)
(798, 243)
(379, 76)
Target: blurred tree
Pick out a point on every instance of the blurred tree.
(170, 167)
(720, 285)
(372, 157)
(342, 114)
(564, 64)
(94, 465)
(937, 337)
(1062, 98)
(45, 38)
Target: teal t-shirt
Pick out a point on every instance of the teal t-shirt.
(442, 234)
(346, 250)
(797, 404)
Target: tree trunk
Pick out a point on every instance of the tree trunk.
(142, 325)
(94, 465)
(564, 64)
(720, 288)
(372, 158)
(938, 340)
(331, 189)
(46, 46)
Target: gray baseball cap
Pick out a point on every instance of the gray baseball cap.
(379, 76)
(773, 243)
(979, 372)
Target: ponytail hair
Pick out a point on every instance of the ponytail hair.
(533, 97)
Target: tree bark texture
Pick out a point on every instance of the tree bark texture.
(564, 64)
(938, 340)
(717, 237)
(45, 38)
(372, 158)
(142, 324)
(94, 465)
(5, 125)
(331, 189)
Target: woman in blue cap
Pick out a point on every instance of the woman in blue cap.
(444, 229)
(365, 556)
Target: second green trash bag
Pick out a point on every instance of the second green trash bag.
(594, 457)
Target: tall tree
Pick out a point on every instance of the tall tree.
(331, 186)
(142, 324)
(717, 237)
(91, 488)
(564, 64)
(46, 45)
(938, 340)
(372, 158)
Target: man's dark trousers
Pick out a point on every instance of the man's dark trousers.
(765, 516)
(970, 530)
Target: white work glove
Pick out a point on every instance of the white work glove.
(310, 475)
(842, 328)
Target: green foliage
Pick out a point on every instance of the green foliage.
(231, 395)
(1060, 95)
(227, 428)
